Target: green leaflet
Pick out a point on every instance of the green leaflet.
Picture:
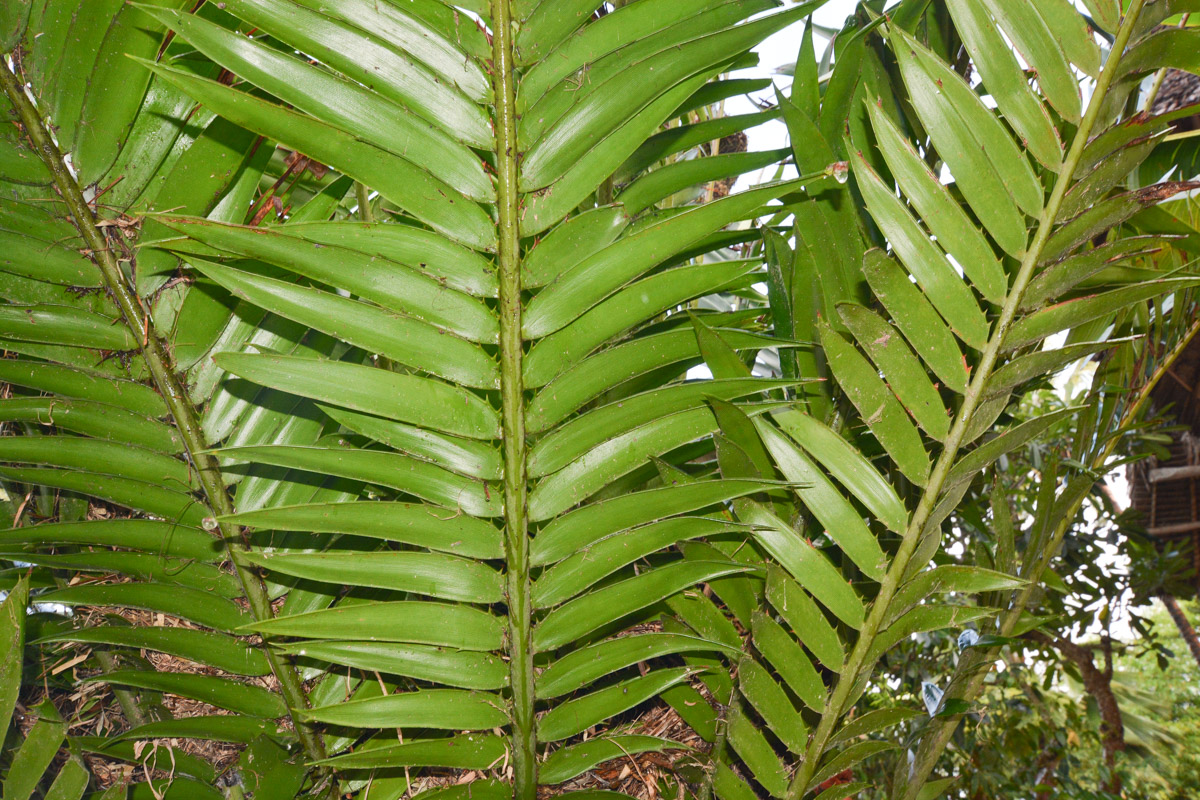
(152, 536)
(409, 186)
(431, 574)
(596, 561)
(348, 106)
(1108, 174)
(462, 668)
(573, 438)
(1038, 326)
(413, 29)
(609, 33)
(587, 665)
(626, 308)
(576, 716)
(573, 531)
(1061, 277)
(1005, 79)
(950, 578)
(662, 183)
(924, 259)
(1100, 218)
(572, 242)
(848, 758)
(904, 374)
(195, 605)
(400, 285)
(620, 454)
(152, 498)
(105, 116)
(991, 171)
(404, 398)
(418, 622)
(974, 462)
(806, 564)
(630, 256)
(419, 250)
(12, 641)
(806, 620)
(754, 748)
(598, 112)
(1033, 37)
(403, 339)
(684, 137)
(880, 409)
(873, 721)
(448, 709)
(94, 419)
(785, 655)
(413, 476)
(384, 67)
(729, 786)
(772, 703)
(1167, 48)
(572, 760)
(240, 698)
(173, 572)
(547, 207)
(469, 751)
(642, 355)
(62, 325)
(925, 618)
(842, 523)
(544, 25)
(847, 465)
(591, 611)
(1042, 363)
(211, 649)
(956, 234)
(917, 320)
(40, 259)
(465, 456)
(410, 523)
(185, 765)
(32, 760)
(78, 383)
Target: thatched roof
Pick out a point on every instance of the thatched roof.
(1167, 491)
(1178, 89)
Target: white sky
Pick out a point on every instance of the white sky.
(775, 52)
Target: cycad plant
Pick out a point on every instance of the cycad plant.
(404, 455)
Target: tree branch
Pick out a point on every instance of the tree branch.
(1098, 683)
(1181, 622)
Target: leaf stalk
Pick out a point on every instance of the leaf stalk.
(518, 588)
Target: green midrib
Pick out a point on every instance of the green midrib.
(516, 539)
